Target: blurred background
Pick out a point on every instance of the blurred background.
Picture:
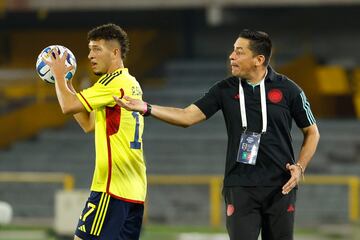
(178, 49)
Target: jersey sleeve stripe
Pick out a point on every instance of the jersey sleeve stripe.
(108, 80)
(112, 77)
(310, 113)
(307, 109)
(101, 80)
(87, 103)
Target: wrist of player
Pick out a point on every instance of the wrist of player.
(146, 109)
(59, 77)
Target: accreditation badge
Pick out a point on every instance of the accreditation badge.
(248, 148)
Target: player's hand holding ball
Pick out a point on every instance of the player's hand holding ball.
(55, 53)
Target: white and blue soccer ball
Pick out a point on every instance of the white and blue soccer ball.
(43, 69)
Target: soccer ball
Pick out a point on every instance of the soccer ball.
(43, 70)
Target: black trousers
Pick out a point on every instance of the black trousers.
(250, 210)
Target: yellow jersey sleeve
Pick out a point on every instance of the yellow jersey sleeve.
(102, 92)
(97, 96)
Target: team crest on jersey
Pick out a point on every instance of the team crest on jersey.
(275, 95)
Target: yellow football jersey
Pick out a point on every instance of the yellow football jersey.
(119, 167)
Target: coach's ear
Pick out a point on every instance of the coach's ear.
(259, 60)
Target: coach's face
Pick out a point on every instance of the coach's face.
(100, 56)
(242, 60)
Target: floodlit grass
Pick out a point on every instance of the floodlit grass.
(159, 232)
(149, 232)
(156, 232)
(182, 229)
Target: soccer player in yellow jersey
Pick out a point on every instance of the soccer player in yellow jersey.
(114, 210)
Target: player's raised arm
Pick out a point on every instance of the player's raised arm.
(184, 117)
(68, 101)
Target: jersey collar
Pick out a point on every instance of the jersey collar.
(271, 75)
(120, 70)
(257, 84)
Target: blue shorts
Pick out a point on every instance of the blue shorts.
(108, 218)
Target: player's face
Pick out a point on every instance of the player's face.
(242, 60)
(100, 56)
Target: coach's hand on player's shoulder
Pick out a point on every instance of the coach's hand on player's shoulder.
(295, 172)
(130, 104)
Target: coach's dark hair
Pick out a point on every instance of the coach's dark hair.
(108, 32)
(260, 43)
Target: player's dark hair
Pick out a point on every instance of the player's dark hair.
(260, 43)
(109, 32)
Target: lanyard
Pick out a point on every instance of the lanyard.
(263, 105)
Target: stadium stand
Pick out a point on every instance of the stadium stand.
(186, 57)
(199, 150)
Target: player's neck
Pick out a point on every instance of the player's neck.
(116, 66)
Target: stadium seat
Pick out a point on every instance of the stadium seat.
(356, 90)
(332, 80)
(356, 99)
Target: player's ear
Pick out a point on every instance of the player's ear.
(117, 52)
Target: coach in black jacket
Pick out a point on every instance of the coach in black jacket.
(258, 105)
